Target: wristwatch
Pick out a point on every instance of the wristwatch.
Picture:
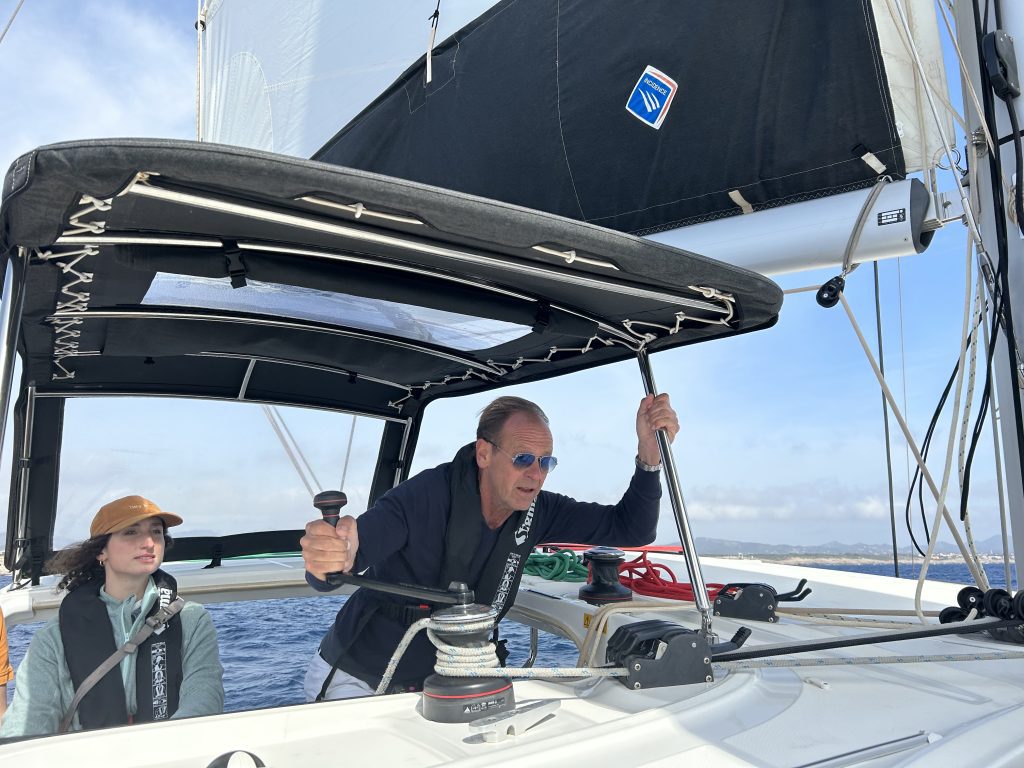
(648, 467)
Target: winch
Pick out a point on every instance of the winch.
(459, 629)
(603, 584)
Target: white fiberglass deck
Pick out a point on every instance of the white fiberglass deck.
(938, 712)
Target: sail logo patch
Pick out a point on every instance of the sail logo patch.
(651, 97)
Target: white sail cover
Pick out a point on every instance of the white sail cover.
(286, 77)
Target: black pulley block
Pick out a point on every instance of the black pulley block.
(971, 597)
(951, 615)
(1018, 604)
(828, 294)
(997, 602)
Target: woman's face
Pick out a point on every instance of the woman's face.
(137, 550)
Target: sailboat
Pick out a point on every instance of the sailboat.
(384, 276)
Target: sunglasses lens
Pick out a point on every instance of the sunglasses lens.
(548, 463)
(523, 460)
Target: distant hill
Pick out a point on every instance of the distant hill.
(990, 546)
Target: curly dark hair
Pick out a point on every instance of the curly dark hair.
(79, 562)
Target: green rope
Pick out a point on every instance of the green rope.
(564, 565)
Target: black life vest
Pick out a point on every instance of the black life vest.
(88, 641)
(503, 570)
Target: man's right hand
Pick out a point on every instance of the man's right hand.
(328, 550)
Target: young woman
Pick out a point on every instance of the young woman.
(114, 584)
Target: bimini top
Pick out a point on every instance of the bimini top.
(178, 268)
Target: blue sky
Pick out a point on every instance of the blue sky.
(782, 439)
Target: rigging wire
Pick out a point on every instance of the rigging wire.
(968, 213)
(271, 417)
(903, 369)
(348, 452)
(11, 20)
(967, 82)
(885, 422)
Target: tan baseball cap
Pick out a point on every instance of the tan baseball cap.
(119, 514)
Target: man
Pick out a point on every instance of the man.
(474, 519)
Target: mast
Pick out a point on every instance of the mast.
(1004, 239)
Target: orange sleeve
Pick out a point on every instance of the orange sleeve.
(6, 673)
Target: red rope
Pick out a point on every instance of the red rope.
(644, 578)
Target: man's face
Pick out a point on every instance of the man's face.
(507, 487)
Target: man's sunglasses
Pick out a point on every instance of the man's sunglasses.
(525, 460)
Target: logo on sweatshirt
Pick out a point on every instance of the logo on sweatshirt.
(524, 527)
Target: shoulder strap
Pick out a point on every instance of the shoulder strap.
(462, 536)
(154, 623)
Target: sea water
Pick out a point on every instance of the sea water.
(265, 645)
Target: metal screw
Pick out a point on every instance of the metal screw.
(693, 645)
(708, 679)
(636, 667)
(771, 619)
(636, 686)
(707, 660)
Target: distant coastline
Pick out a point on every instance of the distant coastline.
(831, 558)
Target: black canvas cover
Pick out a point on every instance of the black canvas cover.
(169, 268)
(552, 105)
(102, 223)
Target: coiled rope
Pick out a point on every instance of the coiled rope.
(563, 565)
(463, 661)
(645, 578)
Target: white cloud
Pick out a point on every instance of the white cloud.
(97, 69)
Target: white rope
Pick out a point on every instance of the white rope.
(979, 302)
(1003, 527)
(480, 661)
(858, 227)
(940, 508)
(906, 432)
(396, 657)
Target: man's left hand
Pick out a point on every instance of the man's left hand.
(654, 413)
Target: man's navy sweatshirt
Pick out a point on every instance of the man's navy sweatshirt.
(402, 540)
